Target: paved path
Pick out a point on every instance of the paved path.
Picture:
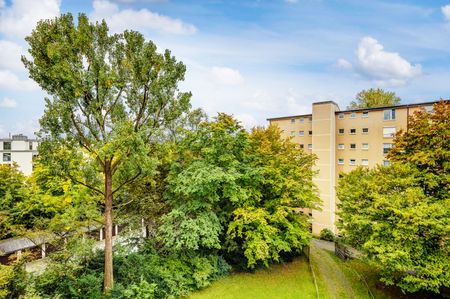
(336, 283)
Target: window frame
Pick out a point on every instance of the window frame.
(389, 135)
(341, 161)
(352, 146)
(365, 164)
(367, 132)
(341, 116)
(6, 155)
(365, 114)
(339, 146)
(339, 131)
(364, 148)
(301, 133)
(6, 148)
(350, 162)
(390, 116)
(352, 115)
(354, 132)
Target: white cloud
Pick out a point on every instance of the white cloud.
(10, 53)
(8, 103)
(21, 16)
(247, 120)
(226, 76)
(9, 80)
(386, 68)
(140, 20)
(446, 11)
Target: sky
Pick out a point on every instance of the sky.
(254, 59)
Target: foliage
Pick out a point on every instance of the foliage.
(374, 98)
(327, 235)
(237, 193)
(13, 280)
(111, 97)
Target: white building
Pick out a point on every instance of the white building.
(19, 149)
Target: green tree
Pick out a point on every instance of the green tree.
(374, 98)
(400, 215)
(111, 98)
(244, 197)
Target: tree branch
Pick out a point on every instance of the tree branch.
(127, 181)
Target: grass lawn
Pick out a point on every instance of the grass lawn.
(292, 280)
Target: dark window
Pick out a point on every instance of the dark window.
(310, 132)
(341, 131)
(352, 145)
(292, 120)
(6, 157)
(6, 145)
(352, 131)
(365, 130)
(302, 146)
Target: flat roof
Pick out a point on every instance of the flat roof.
(359, 109)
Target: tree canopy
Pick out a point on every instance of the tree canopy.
(111, 96)
(374, 98)
(400, 215)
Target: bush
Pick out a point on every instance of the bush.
(327, 235)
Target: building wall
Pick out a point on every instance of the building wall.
(326, 138)
(22, 152)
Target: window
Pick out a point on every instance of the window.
(309, 146)
(341, 131)
(30, 145)
(365, 130)
(292, 120)
(365, 162)
(352, 162)
(386, 163)
(352, 131)
(365, 114)
(388, 132)
(353, 115)
(341, 161)
(341, 116)
(389, 114)
(310, 119)
(292, 133)
(365, 146)
(302, 119)
(301, 133)
(6, 145)
(310, 133)
(341, 146)
(428, 108)
(386, 147)
(352, 145)
(6, 157)
(302, 146)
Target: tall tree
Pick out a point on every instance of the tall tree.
(111, 97)
(374, 98)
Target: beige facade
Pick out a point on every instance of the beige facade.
(343, 140)
(19, 149)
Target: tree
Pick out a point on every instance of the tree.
(243, 201)
(374, 98)
(400, 215)
(111, 98)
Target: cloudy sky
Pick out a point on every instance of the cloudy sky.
(255, 59)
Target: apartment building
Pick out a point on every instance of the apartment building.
(19, 149)
(343, 140)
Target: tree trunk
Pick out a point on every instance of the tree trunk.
(108, 276)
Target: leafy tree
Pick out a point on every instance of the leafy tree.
(244, 197)
(111, 97)
(374, 98)
(400, 215)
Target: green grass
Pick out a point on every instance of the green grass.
(292, 280)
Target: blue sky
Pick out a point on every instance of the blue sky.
(255, 59)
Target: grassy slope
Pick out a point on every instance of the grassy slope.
(293, 280)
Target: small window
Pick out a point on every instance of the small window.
(341, 131)
(310, 133)
(341, 161)
(352, 162)
(292, 133)
(352, 131)
(6, 145)
(353, 115)
(341, 146)
(365, 146)
(301, 133)
(365, 130)
(30, 145)
(386, 147)
(341, 116)
(302, 119)
(386, 163)
(365, 162)
(292, 120)
(428, 108)
(352, 145)
(302, 146)
(389, 114)
(6, 157)
(365, 114)
(309, 146)
(388, 132)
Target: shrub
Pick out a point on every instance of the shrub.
(327, 235)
